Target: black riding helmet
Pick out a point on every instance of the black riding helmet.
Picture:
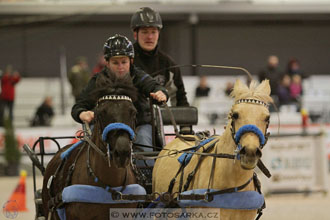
(146, 17)
(118, 45)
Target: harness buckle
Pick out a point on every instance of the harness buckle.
(117, 196)
(208, 197)
(166, 198)
(155, 196)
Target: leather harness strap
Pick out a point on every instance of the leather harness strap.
(183, 138)
(209, 195)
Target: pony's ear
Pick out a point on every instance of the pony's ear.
(238, 89)
(238, 85)
(264, 87)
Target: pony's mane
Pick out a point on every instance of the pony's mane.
(254, 91)
(114, 86)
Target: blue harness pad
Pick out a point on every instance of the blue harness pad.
(95, 194)
(247, 200)
(186, 157)
(68, 151)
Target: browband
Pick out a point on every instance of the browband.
(252, 101)
(115, 97)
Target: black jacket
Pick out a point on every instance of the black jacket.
(274, 76)
(43, 116)
(141, 80)
(171, 79)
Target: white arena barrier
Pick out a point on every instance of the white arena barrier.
(298, 163)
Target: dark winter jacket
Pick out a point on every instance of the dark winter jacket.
(141, 80)
(274, 76)
(43, 115)
(171, 79)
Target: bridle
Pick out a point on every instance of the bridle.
(110, 127)
(107, 129)
(236, 135)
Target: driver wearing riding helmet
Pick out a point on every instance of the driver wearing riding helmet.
(119, 55)
(146, 25)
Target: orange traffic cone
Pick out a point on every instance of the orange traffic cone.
(17, 200)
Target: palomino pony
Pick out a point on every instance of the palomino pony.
(103, 160)
(230, 163)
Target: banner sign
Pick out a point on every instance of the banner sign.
(296, 163)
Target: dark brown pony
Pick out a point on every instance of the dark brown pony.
(119, 173)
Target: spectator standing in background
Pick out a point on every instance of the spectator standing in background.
(8, 82)
(296, 90)
(146, 25)
(271, 72)
(296, 87)
(202, 90)
(294, 68)
(283, 90)
(229, 88)
(0, 78)
(44, 113)
(297, 77)
(79, 76)
(100, 65)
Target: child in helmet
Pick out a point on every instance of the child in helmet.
(119, 55)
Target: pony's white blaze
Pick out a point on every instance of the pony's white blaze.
(227, 173)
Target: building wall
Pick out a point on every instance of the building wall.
(245, 41)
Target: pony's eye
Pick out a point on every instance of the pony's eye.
(235, 115)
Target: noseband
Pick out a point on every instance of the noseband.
(250, 128)
(117, 126)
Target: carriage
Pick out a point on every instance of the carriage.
(213, 171)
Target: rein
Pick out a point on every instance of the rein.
(87, 137)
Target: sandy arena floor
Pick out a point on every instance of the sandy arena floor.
(279, 207)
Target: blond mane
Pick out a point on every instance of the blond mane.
(254, 91)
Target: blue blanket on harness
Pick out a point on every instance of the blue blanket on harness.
(247, 200)
(68, 151)
(95, 194)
